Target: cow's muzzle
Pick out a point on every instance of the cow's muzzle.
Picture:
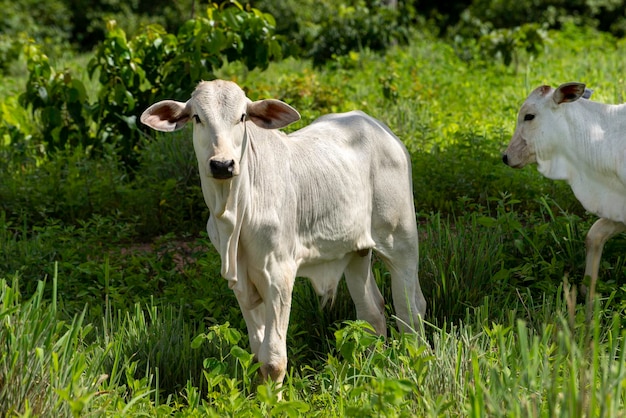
(511, 162)
(222, 169)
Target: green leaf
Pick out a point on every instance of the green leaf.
(198, 341)
(240, 354)
(291, 408)
(487, 221)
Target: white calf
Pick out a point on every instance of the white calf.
(583, 143)
(314, 203)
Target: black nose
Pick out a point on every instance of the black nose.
(222, 169)
(505, 159)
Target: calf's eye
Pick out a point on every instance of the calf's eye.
(243, 118)
(196, 118)
(529, 116)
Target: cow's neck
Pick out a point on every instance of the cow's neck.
(596, 138)
(227, 207)
(593, 158)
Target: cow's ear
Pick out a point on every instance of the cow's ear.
(272, 114)
(568, 92)
(166, 116)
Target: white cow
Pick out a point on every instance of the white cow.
(314, 203)
(584, 143)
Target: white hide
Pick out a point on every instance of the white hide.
(584, 143)
(314, 203)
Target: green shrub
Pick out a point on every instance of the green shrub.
(59, 103)
(134, 73)
(16, 133)
(352, 27)
(505, 14)
(154, 64)
(10, 49)
(481, 41)
(48, 23)
(90, 17)
(325, 30)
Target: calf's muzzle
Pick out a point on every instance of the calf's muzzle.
(222, 169)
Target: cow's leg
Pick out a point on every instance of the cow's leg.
(408, 300)
(601, 231)
(277, 293)
(251, 305)
(255, 322)
(401, 258)
(370, 305)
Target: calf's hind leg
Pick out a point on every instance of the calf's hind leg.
(369, 303)
(408, 299)
(600, 232)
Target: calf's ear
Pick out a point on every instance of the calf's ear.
(271, 113)
(568, 92)
(166, 116)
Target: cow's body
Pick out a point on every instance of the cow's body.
(314, 203)
(584, 143)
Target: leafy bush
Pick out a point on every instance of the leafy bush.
(155, 64)
(10, 48)
(46, 22)
(90, 17)
(16, 132)
(327, 30)
(353, 27)
(134, 73)
(59, 102)
(505, 14)
(481, 41)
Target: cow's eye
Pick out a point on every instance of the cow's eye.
(529, 116)
(196, 118)
(243, 118)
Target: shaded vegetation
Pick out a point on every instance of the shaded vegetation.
(111, 302)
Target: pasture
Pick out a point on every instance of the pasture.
(112, 304)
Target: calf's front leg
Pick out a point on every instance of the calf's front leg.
(277, 295)
(255, 323)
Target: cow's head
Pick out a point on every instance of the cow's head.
(218, 110)
(541, 125)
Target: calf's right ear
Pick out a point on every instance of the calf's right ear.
(166, 116)
(568, 92)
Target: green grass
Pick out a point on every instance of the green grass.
(111, 302)
(477, 367)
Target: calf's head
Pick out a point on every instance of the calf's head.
(219, 111)
(541, 124)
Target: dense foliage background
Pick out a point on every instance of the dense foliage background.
(110, 297)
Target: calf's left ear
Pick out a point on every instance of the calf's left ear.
(271, 113)
(568, 92)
